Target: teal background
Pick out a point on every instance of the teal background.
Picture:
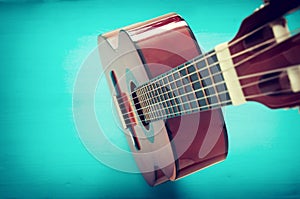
(42, 45)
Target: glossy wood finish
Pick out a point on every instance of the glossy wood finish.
(256, 30)
(168, 41)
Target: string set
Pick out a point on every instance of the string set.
(205, 68)
(209, 106)
(157, 113)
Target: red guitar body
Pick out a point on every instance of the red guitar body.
(161, 44)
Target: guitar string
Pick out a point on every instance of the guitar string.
(230, 44)
(206, 97)
(216, 105)
(253, 56)
(195, 72)
(215, 52)
(235, 66)
(208, 67)
(200, 79)
(200, 89)
(205, 57)
(199, 108)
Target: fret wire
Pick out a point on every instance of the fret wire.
(191, 83)
(155, 112)
(202, 57)
(252, 83)
(164, 82)
(137, 94)
(188, 111)
(147, 97)
(258, 74)
(143, 100)
(200, 89)
(158, 102)
(152, 102)
(200, 81)
(211, 78)
(240, 39)
(248, 97)
(255, 54)
(214, 52)
(172, 91)
(188, 75)
(199, 108)
(165, 100)
(163, 89)
(162, 98)
(151, 97)
(242, 52)
(196, 109)
(184, 87)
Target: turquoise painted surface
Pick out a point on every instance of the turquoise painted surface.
(43, 44)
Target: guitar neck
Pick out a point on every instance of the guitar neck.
(261, 66)
(194, 86)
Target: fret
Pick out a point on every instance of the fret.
(182, 94)
(171, 109)
(166, 99)
(141, 97)
(168, 104)
(154, 101)
(164, 104)
(192, 78)
(173, 103)
(198, 101)
(148, 102)
(176, 96)
(174, 108)
(179, 92)
(218, 80)
(156, 104)
(208, 82)
(197, 85)
(144, 102)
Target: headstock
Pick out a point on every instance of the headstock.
(267, 58)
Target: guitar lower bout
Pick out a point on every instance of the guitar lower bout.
(165, 149)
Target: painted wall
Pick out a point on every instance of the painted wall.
(43, 44)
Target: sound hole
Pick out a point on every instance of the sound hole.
(138, 106)
(274, 83)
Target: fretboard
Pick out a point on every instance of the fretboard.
(197, 85)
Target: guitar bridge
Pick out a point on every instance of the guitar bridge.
(125, 111)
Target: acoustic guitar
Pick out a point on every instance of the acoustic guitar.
(169, 94)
